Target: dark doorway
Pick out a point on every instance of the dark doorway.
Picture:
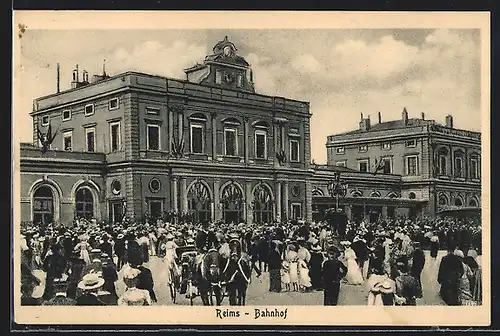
(43, 206)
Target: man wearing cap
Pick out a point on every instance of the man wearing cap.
(90, 285)
(201, 236)
(60, 297)
(120, 250)
(417, 266)
(332, 273)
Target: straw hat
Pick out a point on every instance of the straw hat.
(316, 248)
(190, 240)
(345, 243)
(170, 236)
(131, 273)
(90, 281)
(386, 287)
(120, 236)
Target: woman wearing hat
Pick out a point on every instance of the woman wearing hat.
(132, 295)
(354, 276)
(76, 266)
(316, 264)
(90, 285)
(381, 288)
(83, 247)
(292, 259)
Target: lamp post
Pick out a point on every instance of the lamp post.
(337, 188)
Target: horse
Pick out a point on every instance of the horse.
(237, 274)
(209, 277)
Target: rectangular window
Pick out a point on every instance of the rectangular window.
(45, 120)
(153, 110)
(458, 166)
(294, 151)
(115, 136)
(386, 146)
(412, 165)
(66, 115)
(363, 148)
(155, 208)
(239, 81)
(218, 77)
(342, 163)
(153, 137)
(340, 150)
(89, 109)
(387, 166)
(90, 139)
(113, 104)
(442, 164)
(296, 211)
(260, 144)
(68, 141)
(363, 166)
(411, 143)
(474, 168)
(197, 143)
(230, 142)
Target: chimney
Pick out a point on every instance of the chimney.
(85, 76)
(449, 121)
(58, 78)
(362, 116)
(422, 114)
(74, 82)
(404, 116)
(364, 124)
(379, 118)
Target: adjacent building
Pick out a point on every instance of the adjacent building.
(209, 147)
(438, 166)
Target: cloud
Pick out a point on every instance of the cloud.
(159, 59)
(307, 64)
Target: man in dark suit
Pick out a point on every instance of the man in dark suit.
(417, 265)
(145, 278)
(333, 272)
(60, 297)
(449, 274)
(201, 236)
(341, 223)
(105, 246)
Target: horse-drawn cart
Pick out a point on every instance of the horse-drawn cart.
(187, 256)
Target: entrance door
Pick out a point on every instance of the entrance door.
(43, 206)
(357, 213)
(391, 211)
(115, 212)
(296, 210)
(375, 212)
(232, 204)
(155, 209)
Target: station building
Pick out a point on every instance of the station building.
(210, 148)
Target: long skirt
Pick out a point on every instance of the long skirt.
(274, 280)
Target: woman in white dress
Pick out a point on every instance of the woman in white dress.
(354, 276)
(292, 258)
(380, 289)
(84, 247)
(170, 259)
(304, 279)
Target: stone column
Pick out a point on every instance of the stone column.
(216, 215)
(175, 200)
(214, 137)
(348, 211)
(466, 164)
(308, 200)
(384, 212)
(248, 202)
(183, 195)
(170, 129)
(452, 171)
(286, 193)
(276, 145)
(278, 201)
(246, 139)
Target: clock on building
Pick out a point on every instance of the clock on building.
(227, 51)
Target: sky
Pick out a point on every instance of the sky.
(341, 72)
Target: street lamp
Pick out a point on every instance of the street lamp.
(337, 188)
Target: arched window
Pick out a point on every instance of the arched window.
(232, 202)
(84, 203)
(316, 192)
(473, 202)
(392, 194)
(43, 205)
(442, 200)
(458, 202)
(231, 126)
(412, 195)
(199, 202)
(262, 205)
(375, 194)
(356, 193)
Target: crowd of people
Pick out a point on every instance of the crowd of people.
(81, 263)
